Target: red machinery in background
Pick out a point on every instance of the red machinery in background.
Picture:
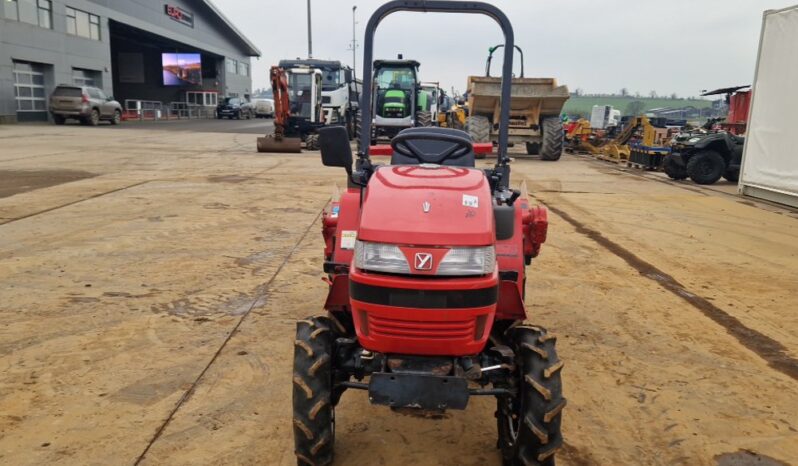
(739, 102)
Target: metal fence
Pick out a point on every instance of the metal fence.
(184, 110)
(154, 110)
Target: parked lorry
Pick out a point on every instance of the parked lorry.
(604, 117)
(535, 107)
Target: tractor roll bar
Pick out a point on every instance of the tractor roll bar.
(438, 6)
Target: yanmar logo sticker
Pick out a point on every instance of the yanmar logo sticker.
(423, 261)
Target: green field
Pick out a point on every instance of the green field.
(584, 104)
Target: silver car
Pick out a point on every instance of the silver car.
(89, 105)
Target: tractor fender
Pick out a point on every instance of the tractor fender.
(329, 224)
(535, 227)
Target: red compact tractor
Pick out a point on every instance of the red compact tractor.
(425, 258)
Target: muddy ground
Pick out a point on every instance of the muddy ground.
(150, 284)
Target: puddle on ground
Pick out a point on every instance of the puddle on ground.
(21, 181)
(746, 458)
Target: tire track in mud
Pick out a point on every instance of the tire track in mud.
(773, 352)
(93, 196)
(115, 190)
(261, 294)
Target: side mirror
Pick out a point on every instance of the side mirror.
(335, 148)
(348, 76)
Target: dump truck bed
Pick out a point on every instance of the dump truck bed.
(531, 98)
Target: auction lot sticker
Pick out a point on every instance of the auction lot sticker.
(348, 238)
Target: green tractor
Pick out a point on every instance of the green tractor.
(400, 101)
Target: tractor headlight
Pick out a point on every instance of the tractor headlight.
(388, 258)
(468, 261)
(378, 257)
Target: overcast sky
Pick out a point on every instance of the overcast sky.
(679, 46)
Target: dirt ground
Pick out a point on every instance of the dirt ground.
(150, 286)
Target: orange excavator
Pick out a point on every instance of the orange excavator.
(297, 110)
(279, 141)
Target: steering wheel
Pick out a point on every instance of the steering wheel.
(453, 145)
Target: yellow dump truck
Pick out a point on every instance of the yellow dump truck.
(535, 107)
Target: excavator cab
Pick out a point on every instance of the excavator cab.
(304, 93)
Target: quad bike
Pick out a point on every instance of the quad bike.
(425, 260)
(705, 158)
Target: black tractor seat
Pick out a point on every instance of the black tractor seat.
(441, 146)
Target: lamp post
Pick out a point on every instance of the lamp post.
(310, 35)
(354, 42)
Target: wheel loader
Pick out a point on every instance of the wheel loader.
(425, 258)
(535, 108)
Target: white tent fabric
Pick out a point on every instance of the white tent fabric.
(770, 161)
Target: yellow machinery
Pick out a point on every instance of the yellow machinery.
(617, 149)
(576, 132)
(455, 117)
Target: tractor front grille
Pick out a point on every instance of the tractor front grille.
(423, 299)
(429, 330)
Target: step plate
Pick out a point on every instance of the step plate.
(428, 392)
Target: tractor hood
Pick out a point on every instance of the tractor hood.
(428, 205)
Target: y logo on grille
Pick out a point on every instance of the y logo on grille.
(423, 261)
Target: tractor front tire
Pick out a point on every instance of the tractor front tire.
(423, 119)
(314, 414)
(553, 138)
(706, 167)
(674, 170)
(529, 423)
(312, 142)
(478, 127)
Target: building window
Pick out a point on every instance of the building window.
(82, 24)
(29, 87)
(82, 77)
(11, 9)
(36, 12)
(231, 65)
(243, 69)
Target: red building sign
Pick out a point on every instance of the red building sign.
(180, 15)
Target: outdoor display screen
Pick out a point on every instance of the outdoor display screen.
(181, 69)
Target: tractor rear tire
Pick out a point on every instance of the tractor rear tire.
(478, 127)
(312, 142)
(706, 167)
(674, 170)
(530, 424)
(314, 413)
(423, 119)
(553, 137)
